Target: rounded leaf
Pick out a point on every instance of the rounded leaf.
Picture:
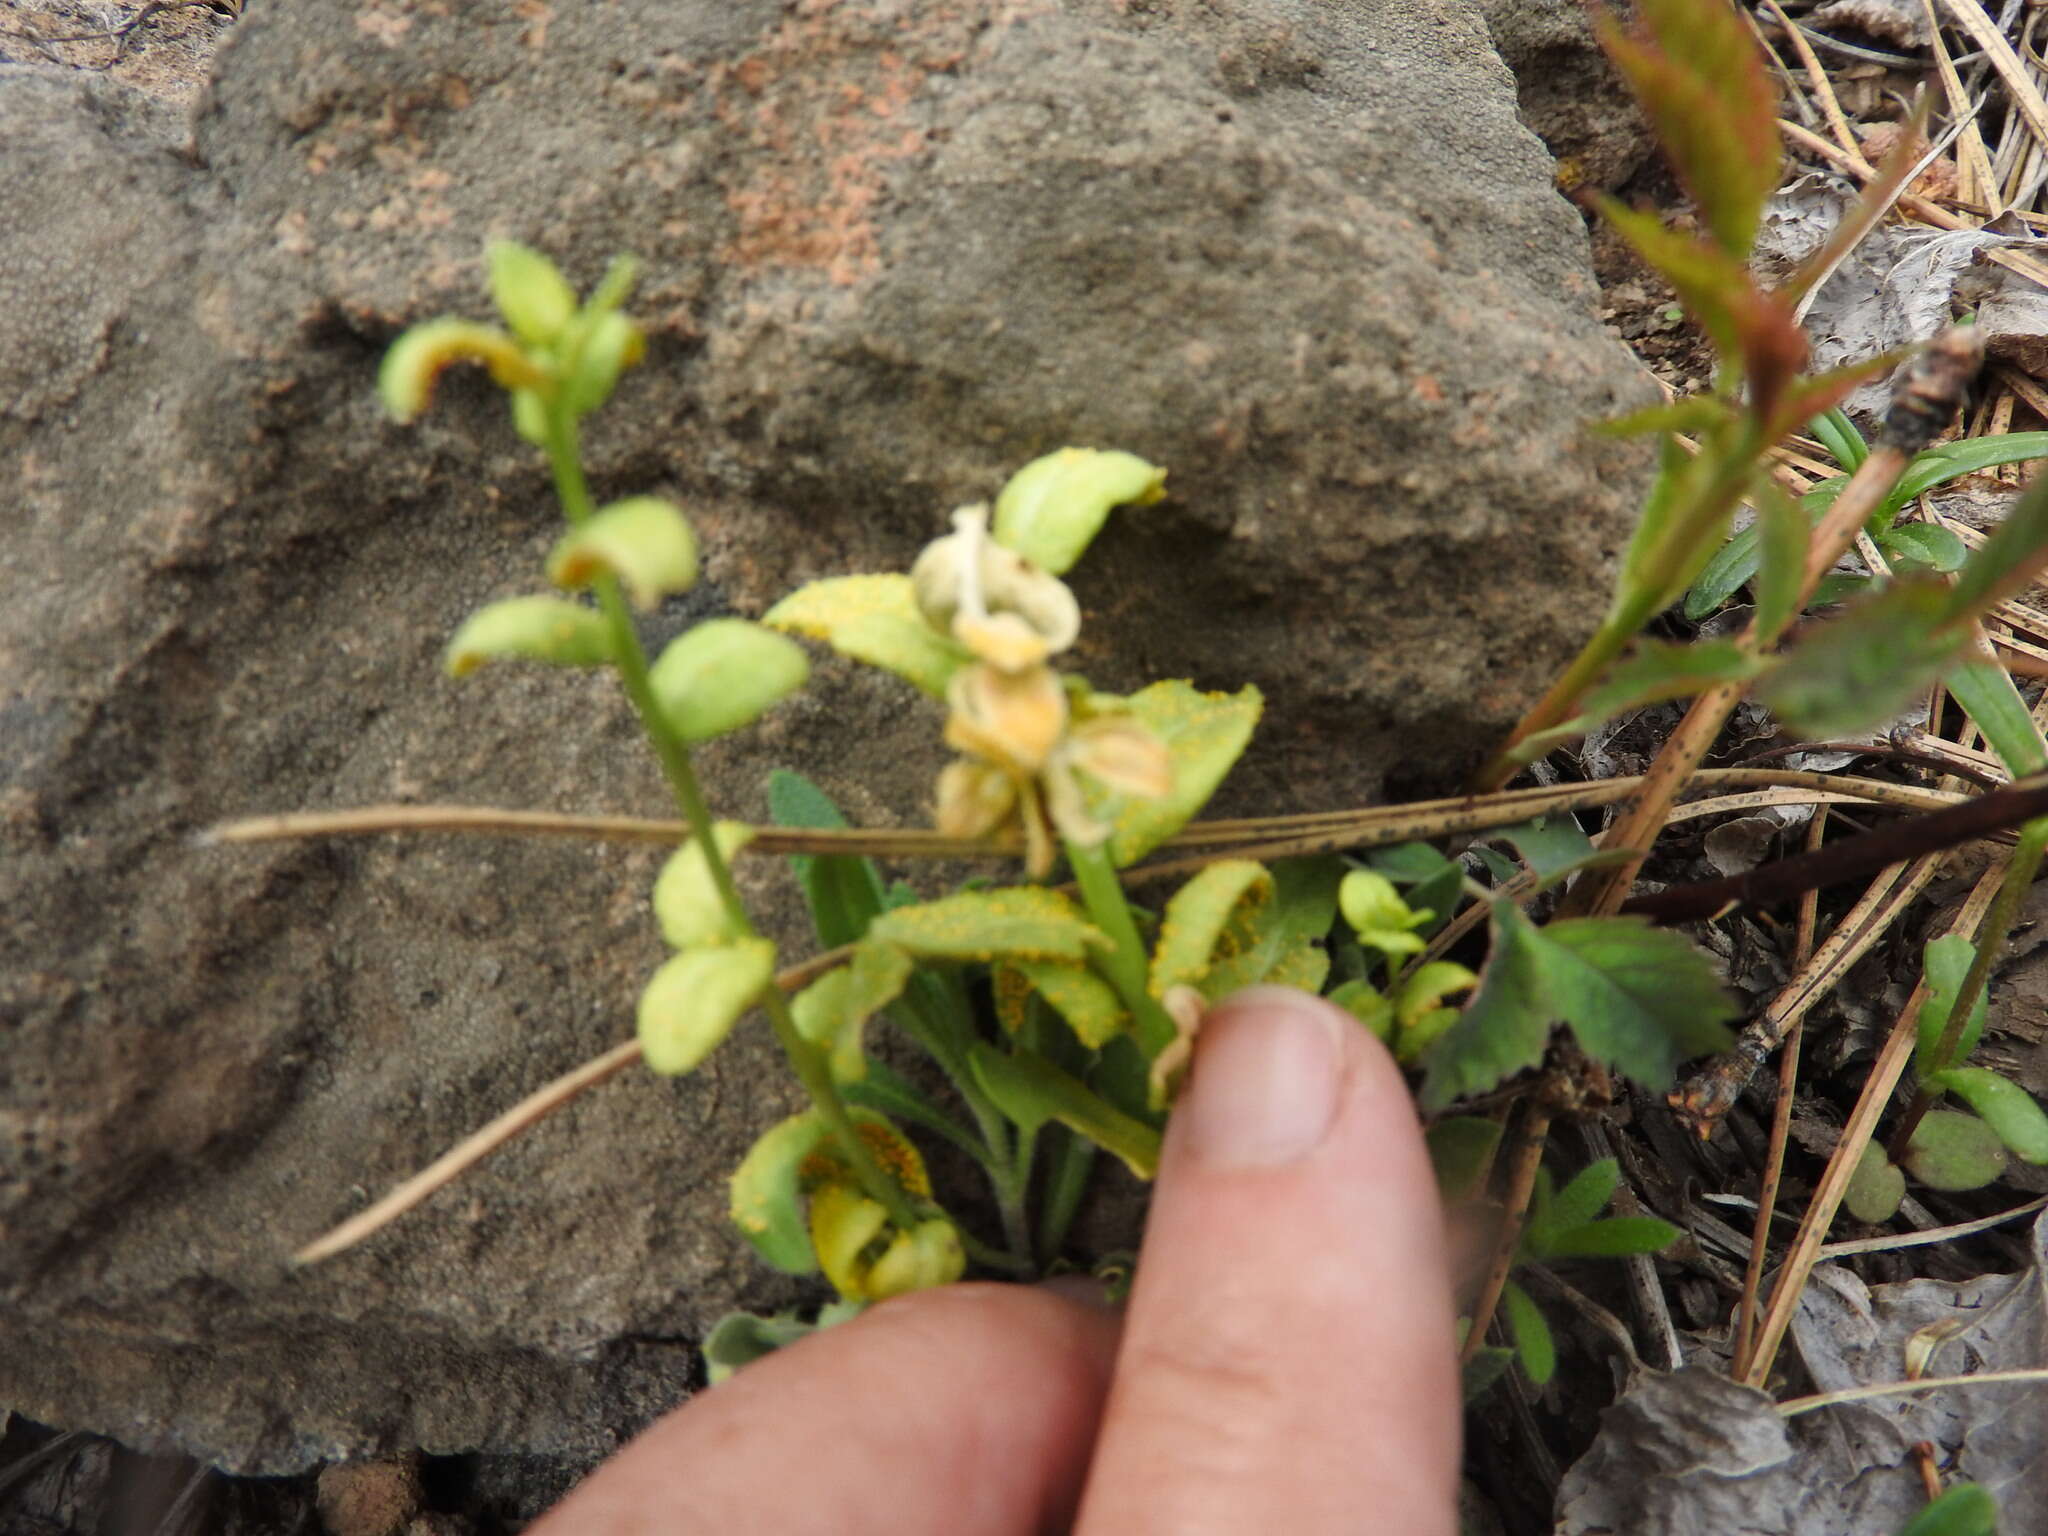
(1952, 1150)
(1204, 733)
(928, 1255)
(1423, 992)
(686, 900)
(1054, 506)
(767, 1193)
(530, 416)
(1876, 1187)
(1025, 922)
(723, 674)
(693, 1001)
(873, 619)
(2010, 1111)
(541, 628)
(644, 541)
(532, 295)
(1079, 995)
(405, 382)
(1967, 1509)
(1362, 1000)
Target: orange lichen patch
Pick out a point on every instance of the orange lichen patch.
(820, 106)
(537, 14)
(387, 27)
(895, 1156)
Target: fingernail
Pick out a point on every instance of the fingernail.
(1267, 1074)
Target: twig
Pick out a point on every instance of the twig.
(1960, 1230)
(1528, 1158)
(1792, 1407)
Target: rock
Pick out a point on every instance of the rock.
(1570, 96)
(1303, 256)
(369, 1498)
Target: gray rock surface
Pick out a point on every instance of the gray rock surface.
(1301, 253)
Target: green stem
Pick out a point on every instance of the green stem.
(2019, 877)
(1125, 965)
(1073, 1160)
(806, 1060)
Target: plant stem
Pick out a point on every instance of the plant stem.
(630, 659)
(1125, 965)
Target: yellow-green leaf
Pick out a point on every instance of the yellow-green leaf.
(1088, 1003)
(644, 541)
(1018, 923)
(767, 1193)
(405, 382)
(686, 900)
(722, 674)
(1204, 734)
(1054, 506)
(1199, 915)
(693, 1001)
(530, 291)
(540, 628)
(873, 619)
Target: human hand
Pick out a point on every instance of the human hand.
(1286, 1363)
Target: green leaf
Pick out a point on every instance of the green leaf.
(1435, 882)
(1695, 73)
(722, 674)
(1534, 1345)
(1691, 413)
(890, 1093)
(644, 541)
(530, 292)
(549, 629)
(1506, 1025)
(1986, 690)
(1585, 1197)
(1945, 965)
(1783, 533)
(1426, 987)
(1479, 1373)
(1868, 665)
(834, 1010)
(1617, 1237)
(1967, 1509)
(2002, 1104)
(1204, 734)
(767, 1193)
(1461, 1149)
(1639, 998)
(1550, 845)
(1966, 456)
(1655, 670)
(873, 619)
(1031, 1090)
(1198, 916)
(598, 348)
(1375, 911)
(1952, 1150)
(692, 1002)
(1362, 1000)
(2014, 551)
(1725, 574)
(843, 892)
(1016, 923)
(686, 900)
(740, 1338)
(1875, 1188)
(1054, 506)
(1925, 545)
(1837, 433)
(405, 381)
(1079, 995)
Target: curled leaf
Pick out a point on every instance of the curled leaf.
(1199, 915)
(405, 382)
(540, 628)
(644, 541)
(1053, 507)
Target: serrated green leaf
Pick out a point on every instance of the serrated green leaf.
(1550, 845)
(1868, 665)
(1019, 922)
(1079, 995)
(1639, 998)
(1198, 916)
(1461, 1149)
(687, 905)
(722, 674)
(1503, 1029)
(1534, 1345)
(2010, 1111)
(1204, 734)
(644, 541)
(1946, 965)
(692, 1002)
(1951, 1150)
(1875, 1188)
(767, 1193)
(1031, 1090)
(872, 619)
(1616, 1237)
(1967, 1509)
(1053, 507)
(539, 628)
